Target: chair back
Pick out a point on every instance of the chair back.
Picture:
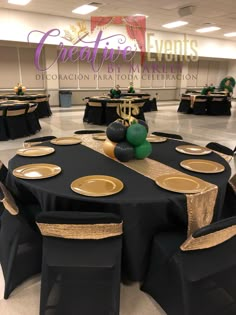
(3, 172)
(168, 135)
(8, 201)
(35, 141)
(79, 225)
(17, 110)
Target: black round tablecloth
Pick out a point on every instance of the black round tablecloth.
(144, 206)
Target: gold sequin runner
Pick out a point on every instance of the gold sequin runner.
(200, 206)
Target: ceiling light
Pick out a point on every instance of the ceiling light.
(139, 14)
(85, 9)
(19, 2)
(175, 24)
(230, 34)
(208, 29)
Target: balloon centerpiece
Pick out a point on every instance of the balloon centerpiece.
(19, 89)
(126, 137)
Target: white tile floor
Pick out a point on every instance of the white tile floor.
(196, 129)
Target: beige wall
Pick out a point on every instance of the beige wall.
(169, 80)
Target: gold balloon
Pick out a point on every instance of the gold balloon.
(109, 147)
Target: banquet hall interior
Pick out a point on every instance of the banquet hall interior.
(64, 90)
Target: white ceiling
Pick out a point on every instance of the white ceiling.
(221, 13)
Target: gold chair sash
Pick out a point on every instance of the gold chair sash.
(81, 231)
(200, 206)
(209, 240)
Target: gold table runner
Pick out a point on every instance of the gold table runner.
(200, 206)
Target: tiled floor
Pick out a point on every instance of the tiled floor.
(196, 129)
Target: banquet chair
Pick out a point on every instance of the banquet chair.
(96, 113)
(229, 208)
(167, 135)
(20, 245)
(220, 148)
(35, 141)
(197, 276)
(111, 112)
(219, 106)
(3, 175)
(16, 123)
(88, 131)
(43, 109)
(200, 105)
(81, 263)
(32, 119)
(3, 128)
(185, 104)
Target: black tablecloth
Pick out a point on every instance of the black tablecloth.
(144, 206)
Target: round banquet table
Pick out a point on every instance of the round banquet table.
(43, 109)
(144, 207)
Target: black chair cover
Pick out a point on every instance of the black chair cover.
(88, 131)
(43, 109)
(200, 105)
(16, 122)
(20, 249)
(185, 104)
(220, 148)
(3, 128)
(32, 119)
(80, 274)
(229, 208)
(196, 281)
(39, 140)
(219, 106)
(168, 135)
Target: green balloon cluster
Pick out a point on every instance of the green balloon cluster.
(129, 142)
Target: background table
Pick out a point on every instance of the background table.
(102, 110)
(144, 206)
(43, 109)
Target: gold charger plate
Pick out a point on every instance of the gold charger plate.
(36, 171)
(181, 183)
(35, 151)
(202, 166)
(99, 136)
(153, 139)
(66, 141)
(193, 149)
(97, 185)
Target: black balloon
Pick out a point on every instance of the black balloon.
(124, 151)
(116, 131)
(142, 122)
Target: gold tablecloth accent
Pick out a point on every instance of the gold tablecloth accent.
(81, 231)
(200, 206)
(209, 240)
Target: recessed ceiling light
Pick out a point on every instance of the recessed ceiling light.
(19, 2)
(175, 24)
(139, 14)
(230, 34)
(85, 9)
(208, 29)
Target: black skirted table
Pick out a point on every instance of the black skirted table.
(18, 119)
(149, 105)
(214, 104)
(43, 108)
(144, 207)
(103, 110)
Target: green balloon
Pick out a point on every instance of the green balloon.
(143, 150)
(136, 134)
